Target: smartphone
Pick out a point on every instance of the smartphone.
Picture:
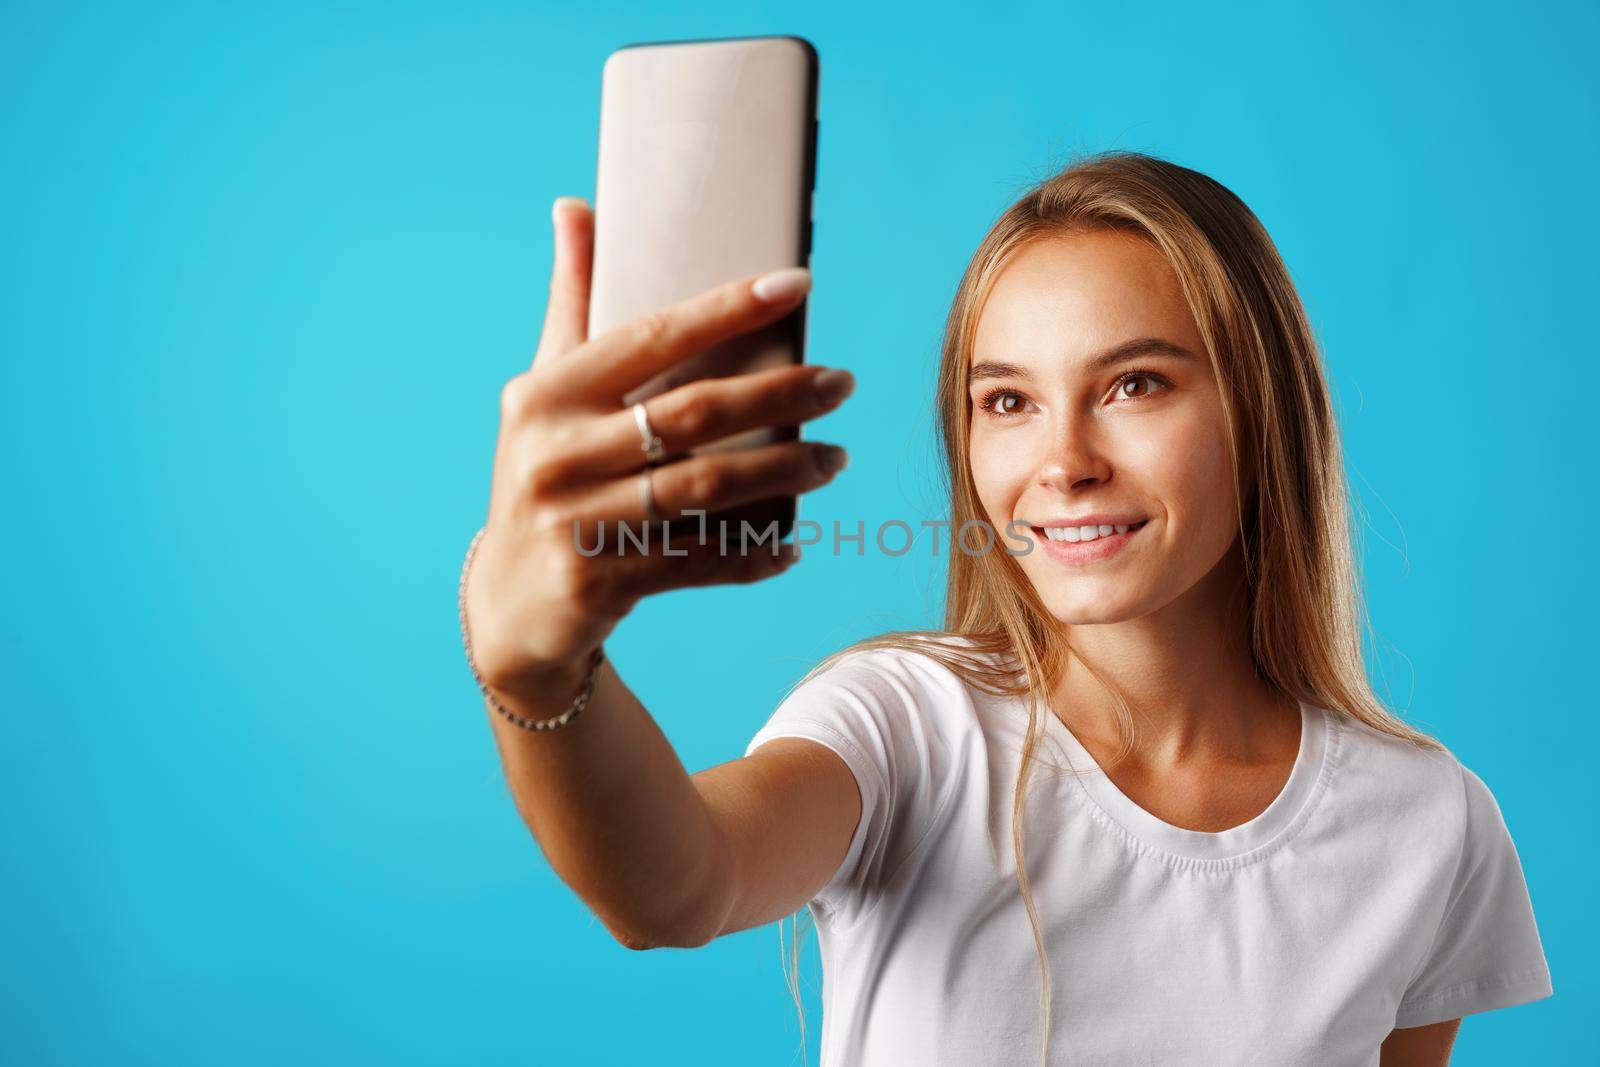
(708, 154)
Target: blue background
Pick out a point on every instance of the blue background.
(264, 271)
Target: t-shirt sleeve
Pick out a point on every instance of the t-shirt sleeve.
(880, 711)
(1486, 953)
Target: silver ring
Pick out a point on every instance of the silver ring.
(649, 443)
(648, 496)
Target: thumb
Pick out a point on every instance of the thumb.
(566, 315)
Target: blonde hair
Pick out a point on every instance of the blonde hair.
(1304, 597)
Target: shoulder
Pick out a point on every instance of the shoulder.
(1484, 829)
(900, 716)
(889, 695)
(1428, 787)
(919, 670)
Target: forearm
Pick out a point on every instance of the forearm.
(615, 812)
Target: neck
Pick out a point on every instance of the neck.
(1187, 673)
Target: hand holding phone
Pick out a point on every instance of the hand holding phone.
(569, 455)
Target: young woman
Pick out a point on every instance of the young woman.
(1223, 848)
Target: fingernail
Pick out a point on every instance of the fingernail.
(833, 385)
(831, 458)
(563, 202)
(781, 285)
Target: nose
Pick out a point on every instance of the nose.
(1073, 459)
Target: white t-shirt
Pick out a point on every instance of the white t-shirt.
(1380, 889)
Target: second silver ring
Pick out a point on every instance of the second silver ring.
(650, 444)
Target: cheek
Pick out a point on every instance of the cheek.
(1189, 460)
(1000, 470)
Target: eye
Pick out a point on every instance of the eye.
(1005, 403)
(1136, 376)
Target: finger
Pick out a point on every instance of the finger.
(626, 357)
(705, 565)
(622, 579)
(711, 409)
(712, 482)
(566, 314)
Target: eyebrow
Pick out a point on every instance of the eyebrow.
(1134, 349)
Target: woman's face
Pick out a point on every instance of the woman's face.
(1094, 404)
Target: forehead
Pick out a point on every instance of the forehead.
(1061, 296)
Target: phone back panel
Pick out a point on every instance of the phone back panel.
(707, 161)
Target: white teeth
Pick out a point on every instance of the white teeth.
(1084, 533)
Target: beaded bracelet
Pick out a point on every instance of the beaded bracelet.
(559, 721)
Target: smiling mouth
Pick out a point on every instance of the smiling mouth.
(1084, 534)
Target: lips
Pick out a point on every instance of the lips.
(1078, 553)
(1073, 533)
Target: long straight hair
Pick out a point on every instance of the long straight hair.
(1305, 602)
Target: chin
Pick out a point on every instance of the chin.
(1089, 604)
